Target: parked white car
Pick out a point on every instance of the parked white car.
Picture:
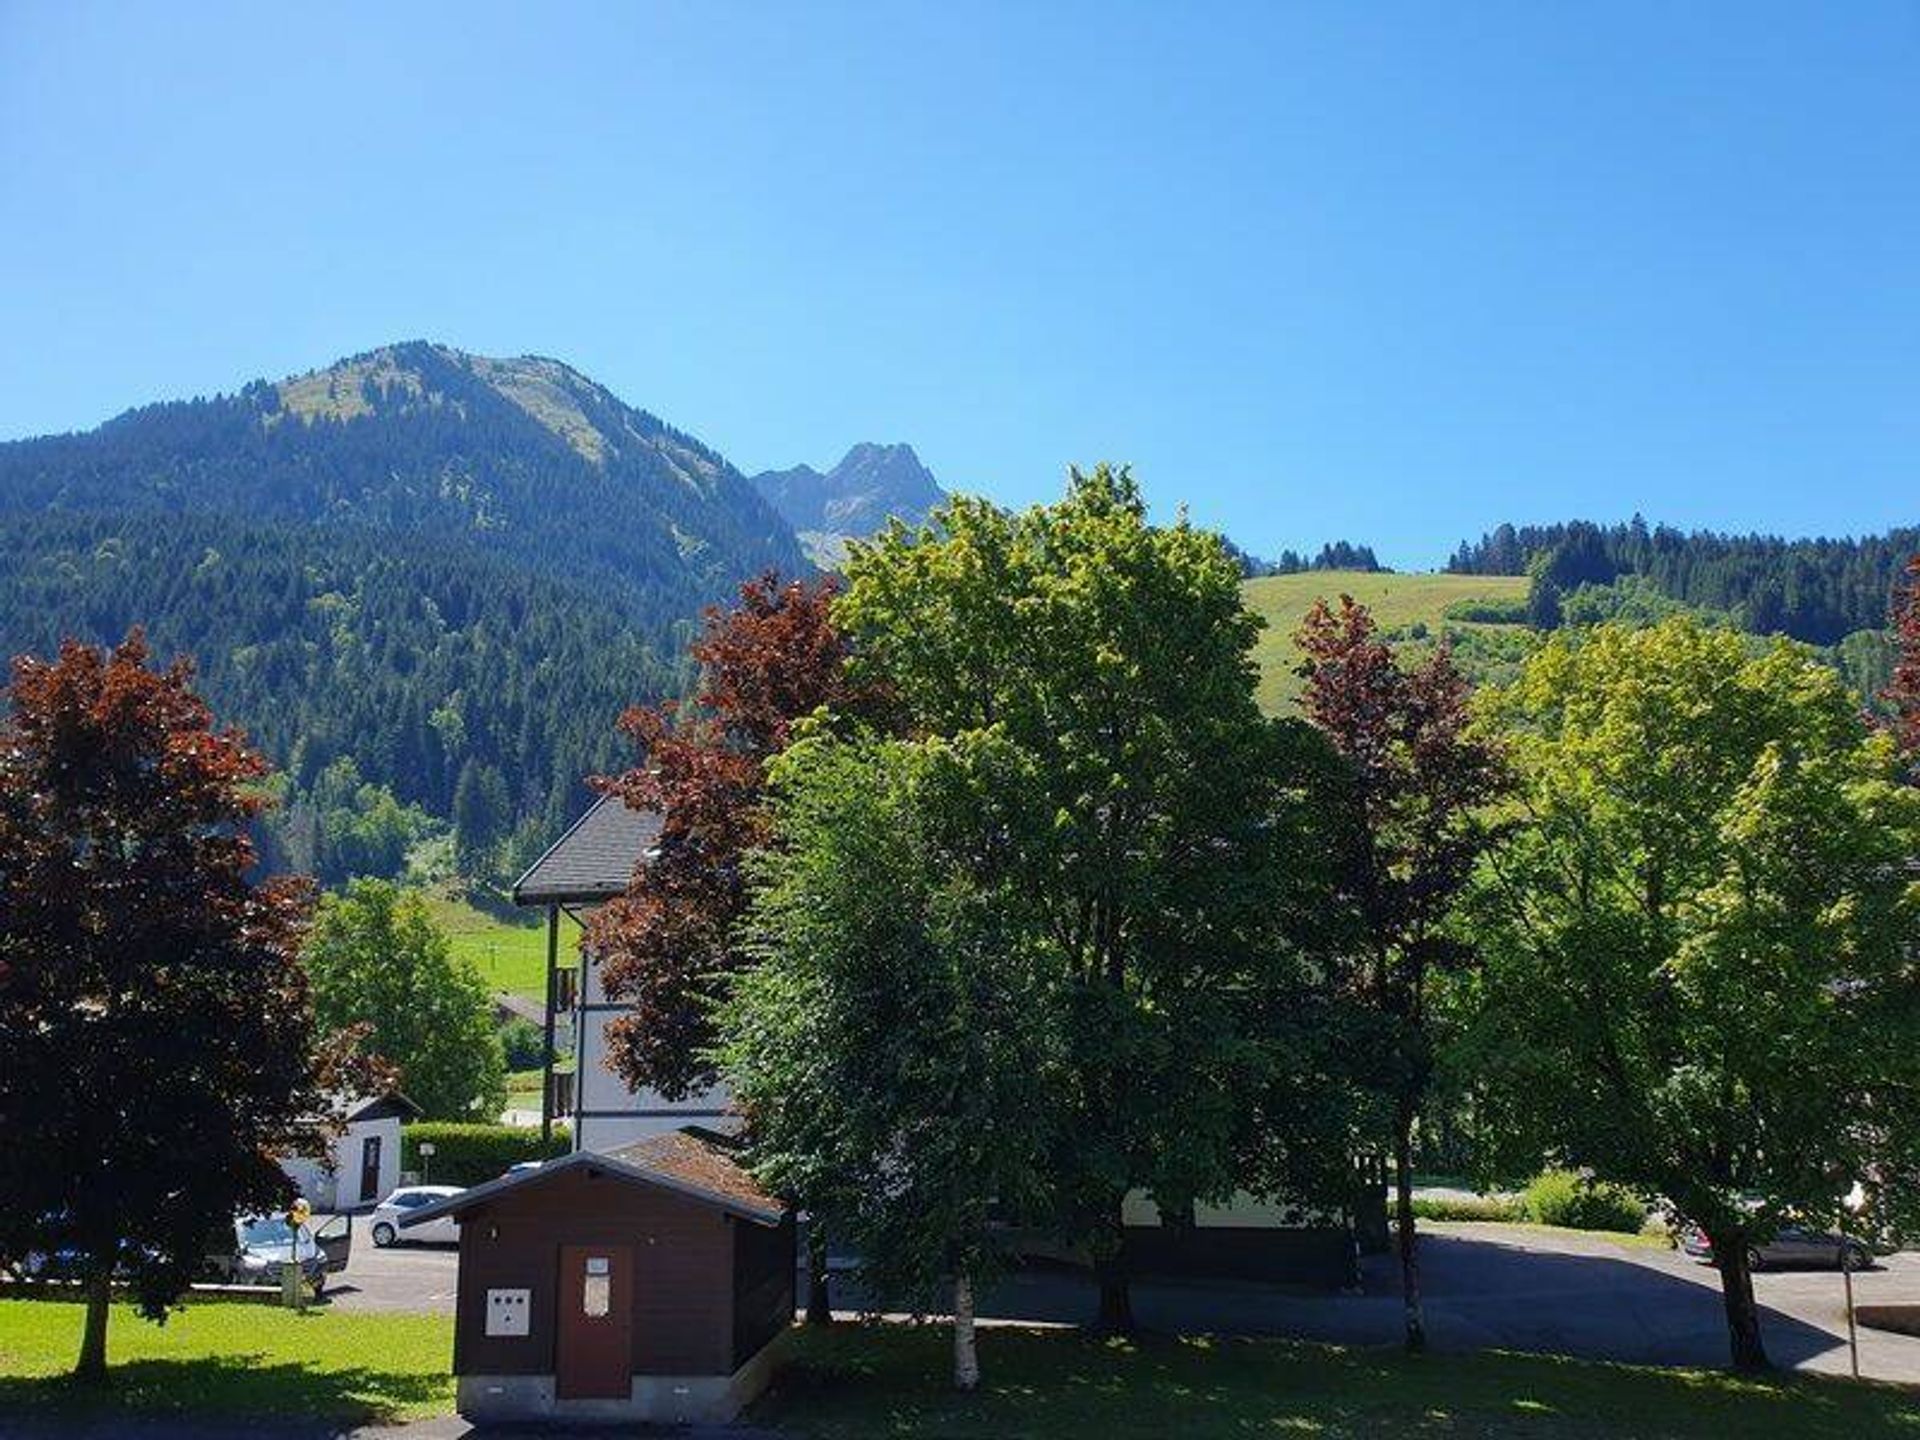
(387, 1215)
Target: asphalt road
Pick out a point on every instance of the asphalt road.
(406, 1276)
(1486, 1286)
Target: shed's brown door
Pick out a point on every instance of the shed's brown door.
(369, 1169)
(595, 1359)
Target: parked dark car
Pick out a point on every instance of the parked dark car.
(261, 1244)
(1792, 1247)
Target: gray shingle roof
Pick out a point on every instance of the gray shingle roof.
(594, 860)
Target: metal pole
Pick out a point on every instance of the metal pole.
(546, 1064)
(1846, 1272)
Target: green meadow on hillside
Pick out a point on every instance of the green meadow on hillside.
(1397, 601)
(509, 953)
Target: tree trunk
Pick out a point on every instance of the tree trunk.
(1110, 1269)
(819, 1298)
(92, 1365)
(966, 1357)
(1736, 1292)
(1403, 1220)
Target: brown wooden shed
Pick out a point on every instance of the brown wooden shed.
(645, 1283)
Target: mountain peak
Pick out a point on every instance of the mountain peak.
(872, 484)
(414, 373)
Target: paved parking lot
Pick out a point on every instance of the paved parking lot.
(1486, 1286)
(401, 1277)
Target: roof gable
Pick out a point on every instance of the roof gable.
(688, 1164)
(594, 860)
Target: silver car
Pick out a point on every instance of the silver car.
(1792, 1247)
(388, 1213)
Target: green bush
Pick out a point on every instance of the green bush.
(525, 1044)
(1570, 1200)
(1472, 1207)
(466, 1154)
(1490, 611)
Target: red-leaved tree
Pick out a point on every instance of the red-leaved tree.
(1417, 778)
(1904, 693)
(665, 945)
(156, 1039)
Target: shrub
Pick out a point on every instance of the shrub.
(1487, 612)
(1571, 1200)
(525, 1044)
(1469, 1207)
(470, 1154)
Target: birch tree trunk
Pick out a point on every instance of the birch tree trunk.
(1409, 1243)
(966, 1357)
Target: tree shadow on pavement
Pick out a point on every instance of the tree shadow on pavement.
(1480, 1294)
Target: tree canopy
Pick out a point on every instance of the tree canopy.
(157, 1041)
(896, 1049)
(1406, 830)
(1699, 938)
(1169, 877)
(378, 961)
(1904, 692)
(666, 946)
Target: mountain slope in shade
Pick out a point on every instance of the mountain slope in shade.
(871, 485)
(525, 457)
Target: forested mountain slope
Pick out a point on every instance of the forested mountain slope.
(525, 458)
(1817, 590)
(451, 571)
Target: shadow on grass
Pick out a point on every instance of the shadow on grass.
(234, 1387)
(863, 1381)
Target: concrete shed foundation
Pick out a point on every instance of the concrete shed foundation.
(655, 1400)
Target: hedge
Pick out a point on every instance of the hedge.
(466, 1154)
(1469, 1207)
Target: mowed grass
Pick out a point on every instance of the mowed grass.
(232, 1362)
(864, 1382)
(510, 955)
(1396, 600)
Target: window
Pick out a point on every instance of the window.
(596, 1295)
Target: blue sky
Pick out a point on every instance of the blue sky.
(1389, 272)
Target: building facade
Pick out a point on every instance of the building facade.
(586, 867)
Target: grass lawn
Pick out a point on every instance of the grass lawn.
(230, 1361)
(1395, 600)
(523, 1089)
(859, 1382)
(509, 956)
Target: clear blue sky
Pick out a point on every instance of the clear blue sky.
(1390, 272)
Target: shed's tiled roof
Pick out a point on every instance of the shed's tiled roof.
(698, 1162)
(594, 860)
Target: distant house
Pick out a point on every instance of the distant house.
(586, 867)
(646, 1283)
(362, 1161)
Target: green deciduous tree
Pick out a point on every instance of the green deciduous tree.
(896, 1045)
(157, 1046)
(1700, 972)
(1167, 872)
(378, 960)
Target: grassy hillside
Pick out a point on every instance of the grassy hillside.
(510, 955)
(1397, 601)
